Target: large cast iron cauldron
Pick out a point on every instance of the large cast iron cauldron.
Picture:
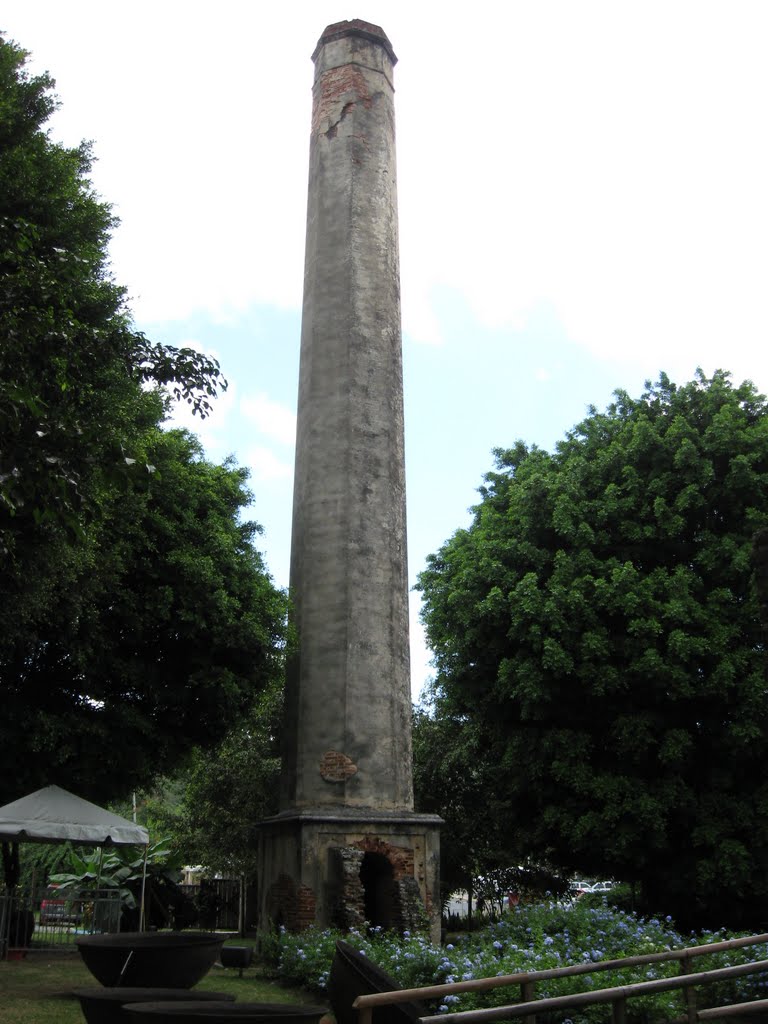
(150, 959)
(223, 1013)
(104, 1005)
(353, 975)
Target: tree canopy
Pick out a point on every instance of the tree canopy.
(164, 627)
(229, 788)
(69, 354)
(598, 624)
(136, 616)
(453, 778)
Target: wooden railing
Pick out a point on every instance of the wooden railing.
(687, 980)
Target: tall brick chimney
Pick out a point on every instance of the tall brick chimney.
(347, 845)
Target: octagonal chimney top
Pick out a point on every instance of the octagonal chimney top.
(356, 27)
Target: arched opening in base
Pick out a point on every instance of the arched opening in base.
(377, 878)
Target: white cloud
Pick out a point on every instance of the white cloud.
(266, 466)
(420, 320)
(212, 431)
(272, 418)
(603, 158)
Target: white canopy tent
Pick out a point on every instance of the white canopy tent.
(53, 815)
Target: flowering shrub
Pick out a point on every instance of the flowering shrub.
(530, 938)
(305, 958)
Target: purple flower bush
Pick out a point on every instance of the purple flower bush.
(532, 937)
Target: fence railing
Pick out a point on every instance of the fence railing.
(217, 902)
(47, 918)
(529, 1005)
(40, 919)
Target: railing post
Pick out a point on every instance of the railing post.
(619, 1011)
(686, 967)
(365, 1015)
(527, 995)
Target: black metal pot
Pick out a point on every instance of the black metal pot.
(105, 1005)
(223, 1013)
(150, 959)
(353, 975)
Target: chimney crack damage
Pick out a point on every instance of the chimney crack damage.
(334, 128)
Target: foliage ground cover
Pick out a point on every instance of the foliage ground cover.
(535, 937)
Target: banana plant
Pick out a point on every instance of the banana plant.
(118, 869)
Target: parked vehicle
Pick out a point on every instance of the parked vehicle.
(55, 909)
(603, 886)
(579, 887)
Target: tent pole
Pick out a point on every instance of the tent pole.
(101, 865)
(143, 889)
(96, 909)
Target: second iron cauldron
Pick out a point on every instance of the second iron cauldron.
(105, 1005)
(223, 1013)
(353, 974)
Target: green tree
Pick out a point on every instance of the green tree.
(70, 358)
(453, 778)
(137, 619)
(231, 787)
(599, 625)
(164, 628)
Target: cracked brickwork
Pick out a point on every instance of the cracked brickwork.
(336, 85)
(404, 909)
(337, 767)
(348, 902)
(400, 857)
(291, 906)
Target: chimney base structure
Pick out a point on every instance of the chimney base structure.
(344, 868)
(347, 846)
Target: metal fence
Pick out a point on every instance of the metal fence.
(50, 919)
(217, 904)
(41, 919)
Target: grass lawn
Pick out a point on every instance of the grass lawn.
(38, 989)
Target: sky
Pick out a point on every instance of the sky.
(583, 203)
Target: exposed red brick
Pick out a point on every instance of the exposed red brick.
(337, 767)
(296, 910)
(339, 89)
(400, 857)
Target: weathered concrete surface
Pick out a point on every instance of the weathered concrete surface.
(347, 844)
(348, 693)
(309, 873)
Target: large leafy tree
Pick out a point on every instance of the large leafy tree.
(136, 617)
(453, 778)
(165, 626)
(481, 848)
(599, 625)
(229, 788)
(68, 350)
